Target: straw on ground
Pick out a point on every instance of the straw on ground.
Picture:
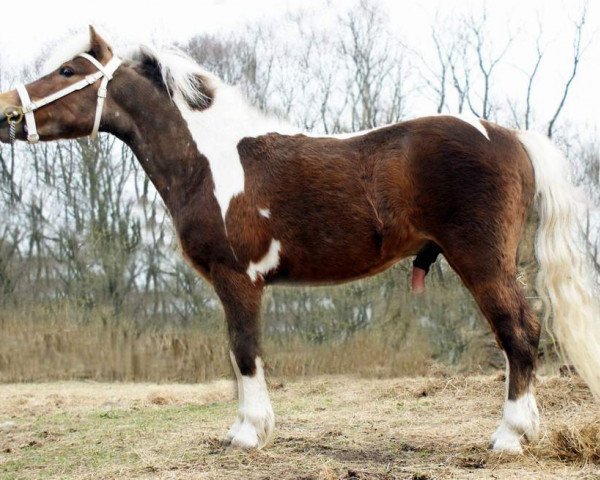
(334, 427)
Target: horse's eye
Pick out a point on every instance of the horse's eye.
(66, 72)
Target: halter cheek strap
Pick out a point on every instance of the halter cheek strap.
(105, 72)
(32, 135)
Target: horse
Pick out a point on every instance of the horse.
(257, 202)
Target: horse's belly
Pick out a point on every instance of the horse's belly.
(348, 258)
(324, 274)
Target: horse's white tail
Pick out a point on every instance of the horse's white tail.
(565, 279)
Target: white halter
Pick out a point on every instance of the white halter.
(105, 72)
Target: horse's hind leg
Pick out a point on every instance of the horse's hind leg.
(517, 332)
(241, 301)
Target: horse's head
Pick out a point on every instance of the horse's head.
(66, 103)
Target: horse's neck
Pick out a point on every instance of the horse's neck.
(158, 136)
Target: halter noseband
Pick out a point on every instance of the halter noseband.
(105, 72)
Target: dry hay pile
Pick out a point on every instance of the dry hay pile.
(577, 443)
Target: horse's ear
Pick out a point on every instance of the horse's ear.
(99, 48)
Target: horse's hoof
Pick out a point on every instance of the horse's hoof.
(246, 438)
(506, 440)
(520, 423)
(235, 428)
(511, 446)
(251, 431)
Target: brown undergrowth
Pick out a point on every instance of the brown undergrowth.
(38, 345)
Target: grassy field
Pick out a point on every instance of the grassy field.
(328, 428)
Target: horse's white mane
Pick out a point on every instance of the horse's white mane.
(180, 73)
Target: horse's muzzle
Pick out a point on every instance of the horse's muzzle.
(8, 107)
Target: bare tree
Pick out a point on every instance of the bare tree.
(437, 75)
(375, 63)
(580, 45)
(487, 61)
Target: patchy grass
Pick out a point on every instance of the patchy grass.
(328, 428)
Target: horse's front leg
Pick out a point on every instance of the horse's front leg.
(241, 301)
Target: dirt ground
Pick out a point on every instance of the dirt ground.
(328, 428)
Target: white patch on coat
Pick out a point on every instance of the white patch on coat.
(218, 129)
(66, 50)
(256, 420)
(520, 418)
(474, 122)
(269, 262)
(264, 212)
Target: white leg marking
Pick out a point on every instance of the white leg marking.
(474, 122)
(520, 418)
(255, 422)
(235, 428)
(265, 212)
(267, 263)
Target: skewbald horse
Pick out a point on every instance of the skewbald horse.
(255, 202)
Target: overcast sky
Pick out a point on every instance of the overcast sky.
(40, 23)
